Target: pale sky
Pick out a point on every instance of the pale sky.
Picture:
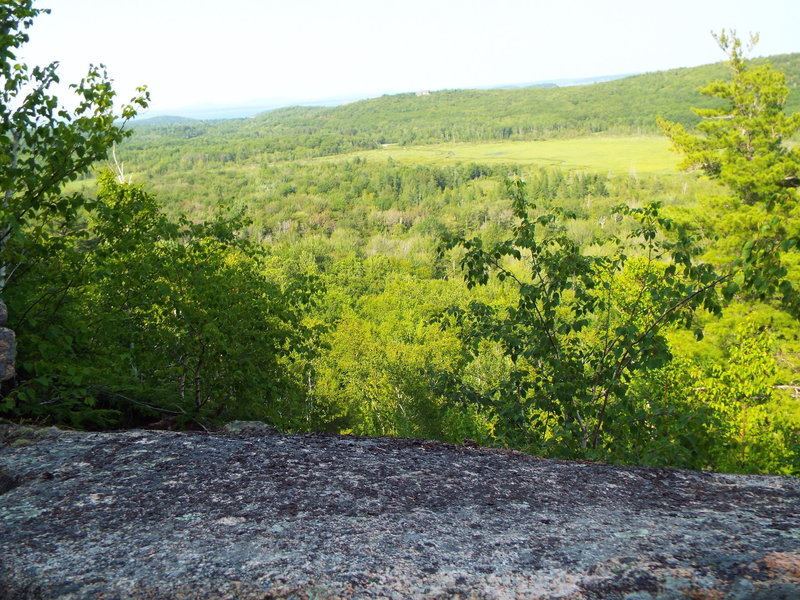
(191, 52)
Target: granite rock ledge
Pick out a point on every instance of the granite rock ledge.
(254, 514)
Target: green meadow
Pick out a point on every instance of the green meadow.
(605, 154)
(612, 154)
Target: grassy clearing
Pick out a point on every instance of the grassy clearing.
(615, 154)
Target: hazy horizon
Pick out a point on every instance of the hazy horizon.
(189, 53)
(236, 110)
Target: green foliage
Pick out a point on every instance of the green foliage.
(741, 392)
(660, 423)
(743, 145)
(583, 325)
(45, 146)
(204, 317)
(167, 318)
(391, 371)
(122, 315)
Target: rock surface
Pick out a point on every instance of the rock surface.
(254, 514)
(8, 347)
(8, 354)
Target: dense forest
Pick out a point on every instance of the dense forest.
(190, 273)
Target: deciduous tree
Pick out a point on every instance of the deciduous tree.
(44, 146)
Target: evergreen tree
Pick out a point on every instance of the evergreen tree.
(743, 145)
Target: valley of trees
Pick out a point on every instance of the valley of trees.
(263, 269)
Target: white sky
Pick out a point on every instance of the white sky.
(191, 52)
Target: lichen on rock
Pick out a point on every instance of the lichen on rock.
(245, 515)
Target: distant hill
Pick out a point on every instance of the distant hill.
(160, 121)
(627, 105)
(251, 108)
(243, 110)
(462, 115)
(563, 82)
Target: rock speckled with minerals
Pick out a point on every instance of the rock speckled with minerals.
(252, 514)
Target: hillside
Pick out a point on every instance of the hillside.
(464, 115)
(627, 105)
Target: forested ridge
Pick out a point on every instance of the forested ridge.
(628, 105)
(270, 269)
